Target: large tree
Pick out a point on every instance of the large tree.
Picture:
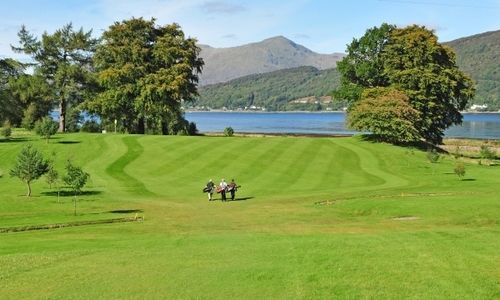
(145, 72)
(10, 109)
(33, 97)
(64, 59)
(411, 60)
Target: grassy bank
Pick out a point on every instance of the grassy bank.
(315, 218)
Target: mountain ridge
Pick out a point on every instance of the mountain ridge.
(271, 54)
(477, 55)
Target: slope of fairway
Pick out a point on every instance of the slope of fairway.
(314, 218)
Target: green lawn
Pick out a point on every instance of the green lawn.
(316, 218)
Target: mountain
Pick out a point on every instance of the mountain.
(302, 88)
(277, 53)
(479, 56)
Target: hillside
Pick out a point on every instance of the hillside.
(479, 56)
(273, 90)
(277, 53)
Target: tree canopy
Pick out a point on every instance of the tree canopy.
(30, 165)
(145, 72)
(411, 60)
(64, 60)
(386, 113)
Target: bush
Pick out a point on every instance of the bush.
(46, 128)
(29, 117)
(486, 152)
(459, 169)
(91, 126)
(6, 130)
(228, 131)
(432, 155)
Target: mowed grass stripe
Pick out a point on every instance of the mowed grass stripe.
(192, 176)
(167, 151)
(117, 168)
(258, 172)
(295, 167)
(332, 168)
(99, 148)
(176, 161)
(229, 153)
(370, 164)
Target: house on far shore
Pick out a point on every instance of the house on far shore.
(478, 107)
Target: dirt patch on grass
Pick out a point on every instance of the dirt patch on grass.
(69, 224)
(406, 218)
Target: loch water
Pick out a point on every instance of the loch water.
(475, 125)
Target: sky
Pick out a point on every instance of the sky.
(320, 25)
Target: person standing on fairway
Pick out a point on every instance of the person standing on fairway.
(232, 188)
(209, 189)
(222, 189)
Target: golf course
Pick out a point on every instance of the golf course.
(314, 218)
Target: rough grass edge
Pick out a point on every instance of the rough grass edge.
(70, 224)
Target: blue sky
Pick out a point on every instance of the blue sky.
(322, 26)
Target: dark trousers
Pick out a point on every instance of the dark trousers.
(232, 194)
(223, 194)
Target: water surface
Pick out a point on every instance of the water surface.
(475, 125)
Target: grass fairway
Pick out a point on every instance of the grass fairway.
(315, 218)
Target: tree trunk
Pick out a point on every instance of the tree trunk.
(164, 127)
(140, 126)
(74, 205)
(62, 116)
(29, 189)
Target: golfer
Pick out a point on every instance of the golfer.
(232, 188)
(209, 189)
(223, 189)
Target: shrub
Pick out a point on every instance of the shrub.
(30, 165)
(46, 128)
(91, 126)
(6, 130)
(459, 169)
(228, 131)
(76, 179)
(29, 118)
(432, 155)
(486, 152)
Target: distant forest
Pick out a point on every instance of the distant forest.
(274, 91)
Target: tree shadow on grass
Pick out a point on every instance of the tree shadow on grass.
(468, 179)
(69, 142)
(420, 145)
(71, 193)
(14, 140)
(125, 211)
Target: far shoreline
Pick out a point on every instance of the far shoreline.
(306, 111)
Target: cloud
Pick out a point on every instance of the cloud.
(229, 36)
(301, 36)
(221, 7)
